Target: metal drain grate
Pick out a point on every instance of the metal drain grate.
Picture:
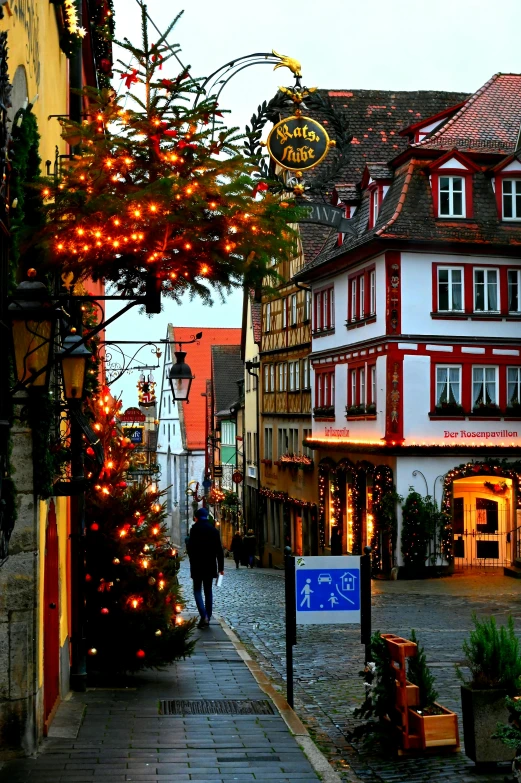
(215, 707)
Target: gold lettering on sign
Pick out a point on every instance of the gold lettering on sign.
(301, 132)
(300, 155)
(26, 13)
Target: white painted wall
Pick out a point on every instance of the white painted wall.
(418, 427)
(342, 336)
(416, 293)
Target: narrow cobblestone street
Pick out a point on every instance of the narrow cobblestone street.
(329, 658)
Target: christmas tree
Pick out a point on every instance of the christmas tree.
(158, 188)
(132, 597)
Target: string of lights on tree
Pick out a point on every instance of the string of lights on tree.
(155, 190)
(132, 597)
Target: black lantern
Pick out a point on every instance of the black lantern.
(74, 356)
(180, 377)
(32, 321)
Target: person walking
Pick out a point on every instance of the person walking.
(249, 544)
(206, 560)
(236, 548)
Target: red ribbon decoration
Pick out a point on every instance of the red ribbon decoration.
(130, 78)
(260, 186)
(157, 57)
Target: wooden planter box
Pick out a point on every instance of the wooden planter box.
(435, 731)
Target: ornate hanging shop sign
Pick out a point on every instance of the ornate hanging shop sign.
(298, 143)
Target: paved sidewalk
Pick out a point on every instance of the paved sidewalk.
(124, 738)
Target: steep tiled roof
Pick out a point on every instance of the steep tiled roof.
(379, 171)
(199, 357)
(375, 118)
(227, 369)
(488, 121)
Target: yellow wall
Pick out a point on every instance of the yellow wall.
(61, 519)
(42, 522)
(33, 42)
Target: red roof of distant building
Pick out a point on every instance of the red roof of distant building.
(488, 121)
(199, 358)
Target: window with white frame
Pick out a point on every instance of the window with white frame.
(513, 386)
(486, 290)
(282, 441)
(451, 197)
(372, 292)
(484, 387)
(272, 377)
(353, 299)
(293, 309)
(294, 375)
(361, 296)
(283, 377)
(512, 199)
(450, 289)
(293, 441)
(361, 385)
(513, 290)
(448, 385)
(372, 371)
(268, 442)
(375, 205)
(352, 399)
(307, 306)
(266, 377)
(228, 433)
(248, 448)
(324, 389)
(284, 303)
(306, 373)
(324, 310)
(267, 319)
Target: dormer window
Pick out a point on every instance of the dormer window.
(511, 199)
(375, 205)
(451, 183)
(451, 197)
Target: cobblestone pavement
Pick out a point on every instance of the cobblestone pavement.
(329, 658)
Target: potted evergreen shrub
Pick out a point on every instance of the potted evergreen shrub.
(436, 726)
(492, 655)
(510, 734)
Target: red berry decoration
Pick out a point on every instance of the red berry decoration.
(88, 578)
(122, 484)
(140, 654)
(94, 526)
(90, 451)
(104, 610)
(127, 558)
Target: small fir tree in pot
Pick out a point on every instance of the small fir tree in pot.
(419, 674)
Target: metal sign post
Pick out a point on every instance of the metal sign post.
(291, 621)
(322, 590)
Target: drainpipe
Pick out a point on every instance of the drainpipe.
(250, 366)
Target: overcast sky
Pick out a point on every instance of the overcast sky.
(398, 45)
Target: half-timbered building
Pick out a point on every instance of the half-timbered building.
(416, 356)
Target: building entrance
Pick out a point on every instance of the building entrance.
(483, 522)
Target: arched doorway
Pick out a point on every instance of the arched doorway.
(483, 502)
(51, 617)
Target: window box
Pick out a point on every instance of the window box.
(267, 462)
(449, 409)
(322, 332)
(513, 410)
(296, 461)
(324, 412)
(486, 410)
(355, 410)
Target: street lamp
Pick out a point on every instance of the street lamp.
(73, 357)
(180, 377)
(32, 320)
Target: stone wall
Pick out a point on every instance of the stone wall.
(20, 694)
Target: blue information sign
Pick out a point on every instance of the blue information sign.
(327, 589)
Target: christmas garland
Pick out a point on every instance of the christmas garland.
(72, 33)
(497, 488)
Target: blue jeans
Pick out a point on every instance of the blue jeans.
(204, 607)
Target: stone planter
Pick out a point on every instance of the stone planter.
(482, 711)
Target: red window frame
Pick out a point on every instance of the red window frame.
(354, 280)
(324, 299)
(467, 364)
(468, 288)
(467, 174)
(499, 193)
(324, 388)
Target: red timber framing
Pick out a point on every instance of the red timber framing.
(393, 304)
(394, 397)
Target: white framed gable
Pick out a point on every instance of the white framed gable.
(514, 165)
(453, 163)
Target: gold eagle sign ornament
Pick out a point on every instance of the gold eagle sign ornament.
(298, 143)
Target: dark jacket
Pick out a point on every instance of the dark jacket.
(250, 545)
(236, 546)
(205, 551)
